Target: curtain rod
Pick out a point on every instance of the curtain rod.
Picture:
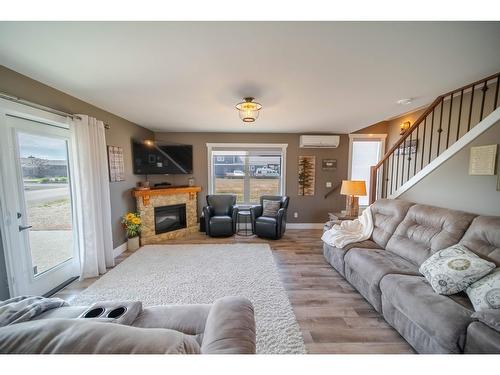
(42, 107)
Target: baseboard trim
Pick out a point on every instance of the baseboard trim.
(120, 249)
(304, 225)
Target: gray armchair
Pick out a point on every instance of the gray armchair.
(220, 215)
(267, 226)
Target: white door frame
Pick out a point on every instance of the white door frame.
(366, 137)
(8, 167)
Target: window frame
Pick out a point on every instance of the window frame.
(211, 147)
(359, 137)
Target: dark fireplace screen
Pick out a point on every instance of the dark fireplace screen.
(169, 218)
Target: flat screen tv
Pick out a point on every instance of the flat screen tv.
(157, 158)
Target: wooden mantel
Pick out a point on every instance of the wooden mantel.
(146, 194)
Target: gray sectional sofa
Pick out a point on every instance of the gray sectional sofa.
(225, 327)
(384, 269)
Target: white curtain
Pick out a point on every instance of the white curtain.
(93, 206)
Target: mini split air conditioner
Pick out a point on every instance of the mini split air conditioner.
(319, 141)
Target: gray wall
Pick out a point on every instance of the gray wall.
(311, 209)
(119, 134)
(451, 186)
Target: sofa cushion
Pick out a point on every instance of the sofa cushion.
(453, 269)
(489, 317)
(335, 255)
(426, 229)
(365, 268)
(481, 339)
(483, 238)
(485, 293)
(430, 322)
(80, 336)
(387, 214)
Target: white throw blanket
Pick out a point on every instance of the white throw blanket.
(24, 308)
(350, 231)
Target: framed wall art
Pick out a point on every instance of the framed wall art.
(116, 164)
(307, 175)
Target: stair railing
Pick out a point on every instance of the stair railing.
(443, 123)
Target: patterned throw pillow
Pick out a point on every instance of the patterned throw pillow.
(453, 269)
(485, 293)
(270, 208)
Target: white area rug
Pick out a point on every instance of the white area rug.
(183, 274)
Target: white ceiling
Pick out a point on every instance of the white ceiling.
(309, 76)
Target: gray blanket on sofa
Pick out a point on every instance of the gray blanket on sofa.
(24, 308)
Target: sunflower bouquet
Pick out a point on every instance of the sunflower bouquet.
(132, 224)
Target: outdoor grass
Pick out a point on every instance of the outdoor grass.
(258, 187)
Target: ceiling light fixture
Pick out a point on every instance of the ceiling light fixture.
(404, 101)
(248, 110)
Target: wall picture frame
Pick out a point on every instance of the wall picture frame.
(408, 148)
(329, 164)
(116, 165)
(482, 160)
(306, 175)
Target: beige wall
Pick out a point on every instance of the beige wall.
(452, 121)
(119, 134)
(451, 186)
(311, 209)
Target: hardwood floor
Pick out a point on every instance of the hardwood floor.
(333, 317)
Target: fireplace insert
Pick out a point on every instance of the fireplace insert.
(169, 218)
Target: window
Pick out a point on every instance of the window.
(246, 170)
(365, 150)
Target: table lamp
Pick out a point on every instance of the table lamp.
(352, 190)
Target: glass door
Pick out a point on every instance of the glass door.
(44, 242)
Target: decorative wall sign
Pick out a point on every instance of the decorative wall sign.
(482, 160)
(407, 148)
(116, 164)
(307, 174)
(329, 164)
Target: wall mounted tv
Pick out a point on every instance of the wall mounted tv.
(157, 158)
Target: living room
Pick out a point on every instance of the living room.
(250, 187)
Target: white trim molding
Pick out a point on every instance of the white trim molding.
(243, 146)
(476, 131)
(119, 249)
(305, 225)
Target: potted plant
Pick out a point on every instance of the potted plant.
(132, 224)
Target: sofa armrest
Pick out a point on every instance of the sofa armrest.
(489, 317)
(234, 216)
(207, 214)
(281, 221)
(230, 327)
(255, 212)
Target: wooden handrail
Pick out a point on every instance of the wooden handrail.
(421, 118)
(429, 109)
(439, 101)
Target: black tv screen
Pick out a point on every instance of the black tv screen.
(162, 159)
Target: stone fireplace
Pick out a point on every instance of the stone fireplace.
(167, 213)
(170, 218)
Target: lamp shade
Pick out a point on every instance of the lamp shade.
(353, 187)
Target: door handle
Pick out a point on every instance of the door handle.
(21, 227)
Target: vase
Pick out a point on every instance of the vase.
(133, 243)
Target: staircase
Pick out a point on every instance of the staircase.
(447, 125)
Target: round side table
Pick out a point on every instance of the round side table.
(244, 218)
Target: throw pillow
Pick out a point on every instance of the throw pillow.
(453, 269)
(485, 293)
(270, 208)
